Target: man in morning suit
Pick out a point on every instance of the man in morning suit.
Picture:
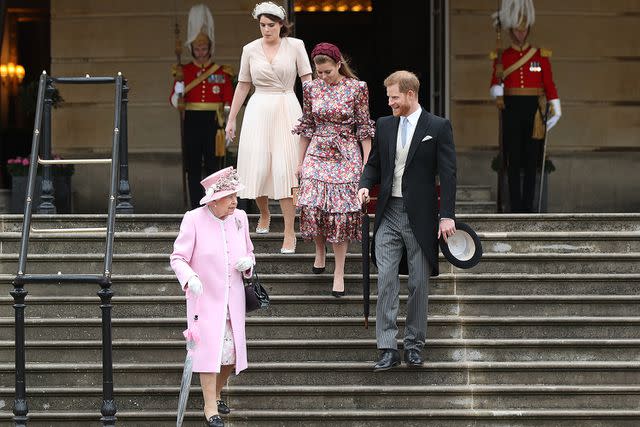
(410, 148)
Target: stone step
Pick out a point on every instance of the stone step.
(537, 263)
(320, 284)
(493, 242)
(350, 305)
(348, 327)
(360, 417)
(475, 207)
(330, 350)
(474, 193)
(480, 222)
(344, 397)
(341, 373)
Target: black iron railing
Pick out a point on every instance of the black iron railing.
(118, 201)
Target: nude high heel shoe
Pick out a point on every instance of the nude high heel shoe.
(265, 230)
(284, 250)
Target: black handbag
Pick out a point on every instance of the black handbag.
(255, 294)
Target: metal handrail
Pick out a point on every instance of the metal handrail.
(73, 161)
(108, 408)
(69, 230)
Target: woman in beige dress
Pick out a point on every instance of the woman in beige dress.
(268, 151)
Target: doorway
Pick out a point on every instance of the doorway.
(379, 38)
(25, 46)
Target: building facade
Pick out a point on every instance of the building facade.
(596, 61)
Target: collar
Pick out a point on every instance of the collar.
(206, 64)
(414, 117)
(517, 48)
(215, 218)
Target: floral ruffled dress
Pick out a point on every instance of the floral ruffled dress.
(335, 117)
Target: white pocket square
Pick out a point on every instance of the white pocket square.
(426, 138)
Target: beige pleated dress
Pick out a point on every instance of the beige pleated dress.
(268, 151)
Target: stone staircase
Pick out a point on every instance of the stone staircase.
(544, 332)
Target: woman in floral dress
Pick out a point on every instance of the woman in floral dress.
(335, 119)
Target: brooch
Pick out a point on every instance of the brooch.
(238, 224)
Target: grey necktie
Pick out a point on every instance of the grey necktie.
(403, 131)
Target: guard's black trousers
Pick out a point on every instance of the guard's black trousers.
(521, 150)
(200, 129)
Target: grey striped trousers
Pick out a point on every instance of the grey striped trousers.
(392, 236)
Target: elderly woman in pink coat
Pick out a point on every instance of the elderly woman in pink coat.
(212, 252)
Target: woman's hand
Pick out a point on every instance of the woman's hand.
(230, 130)
(194, 285)
(243, 264)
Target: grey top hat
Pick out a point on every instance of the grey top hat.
(463, 249)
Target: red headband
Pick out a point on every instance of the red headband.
(327, 49)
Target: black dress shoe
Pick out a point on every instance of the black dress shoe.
(222, 407)
(412, 357)
(389, 358)
(337, 294)
(215, 421)
(318, 270)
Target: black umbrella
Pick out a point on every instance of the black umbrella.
(366, 285)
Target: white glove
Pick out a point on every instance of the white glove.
(195, 285)
(179, 88)
(244, 263)
(557, 113)
(496, 91)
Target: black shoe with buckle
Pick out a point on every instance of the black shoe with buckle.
(389, 358)
(215, 421)
(412, 357)
(222, 407)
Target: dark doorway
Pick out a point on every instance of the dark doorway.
(394, 35)
(26, 42)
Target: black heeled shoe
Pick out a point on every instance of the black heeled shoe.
(320, 270)
(337, 294)
(214, 421)
(222, 407)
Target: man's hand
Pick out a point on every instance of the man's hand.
(178, 88)
(557, 113)
(496, 91)
(363, 195)
(447, 228)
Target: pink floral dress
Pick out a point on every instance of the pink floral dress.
(335, 117)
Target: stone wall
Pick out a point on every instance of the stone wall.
(596, 60)
(135, 38)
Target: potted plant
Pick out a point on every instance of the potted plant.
(18, 168)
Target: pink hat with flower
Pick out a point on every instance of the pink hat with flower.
(220, 184)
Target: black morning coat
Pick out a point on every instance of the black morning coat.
(427, 157)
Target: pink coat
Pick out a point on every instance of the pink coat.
(209, 247)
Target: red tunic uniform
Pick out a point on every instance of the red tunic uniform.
(203, 120)
(522, 90)
(534, 74)
(207, 95)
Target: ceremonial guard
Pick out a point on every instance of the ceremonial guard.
(202, 89)
(521, 81)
